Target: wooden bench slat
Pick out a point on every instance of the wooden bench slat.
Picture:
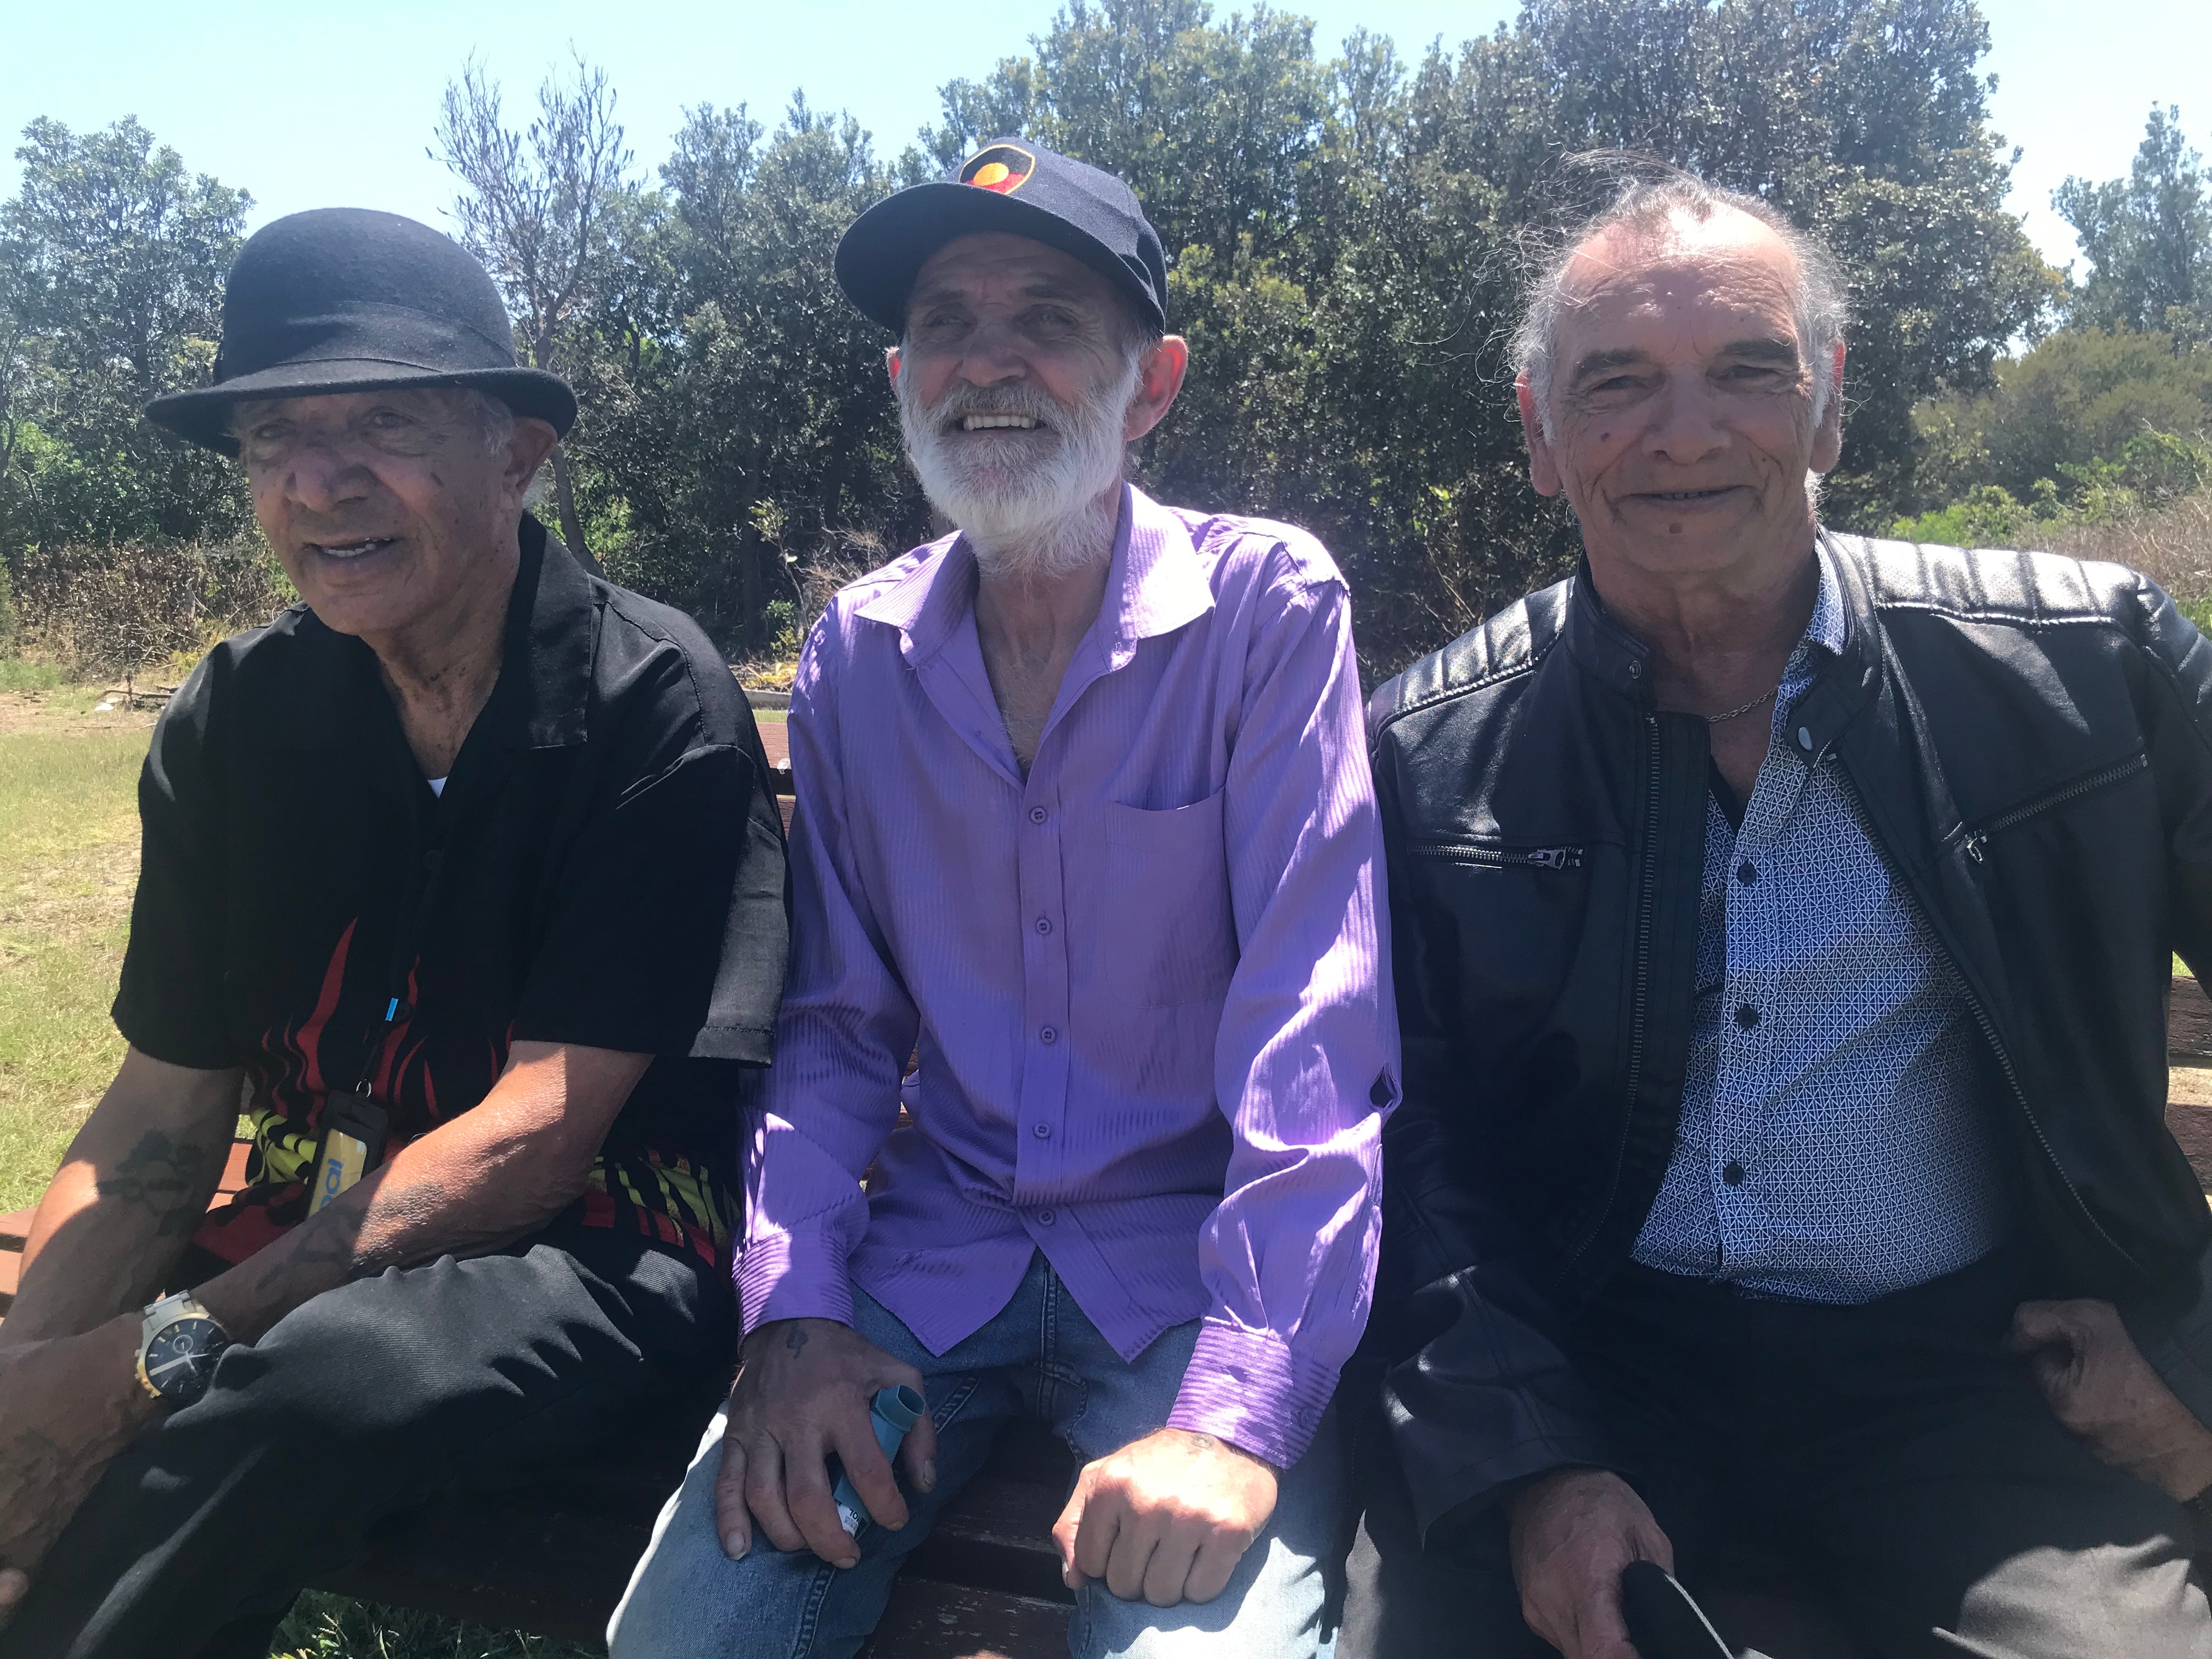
(928, 1619)
(2188, 1019)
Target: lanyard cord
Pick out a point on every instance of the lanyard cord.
(415, 912)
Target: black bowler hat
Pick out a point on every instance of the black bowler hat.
(347, 300)
(1006, 186)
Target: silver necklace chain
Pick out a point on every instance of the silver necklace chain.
(1741, 709)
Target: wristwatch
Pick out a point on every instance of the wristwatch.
(179, 1342)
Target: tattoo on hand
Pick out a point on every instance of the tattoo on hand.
(797, 1340)
(165, 1177)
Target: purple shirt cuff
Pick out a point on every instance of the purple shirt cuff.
(780, 1277)
(1248, 1387)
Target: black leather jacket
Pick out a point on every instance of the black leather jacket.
(2031, 738)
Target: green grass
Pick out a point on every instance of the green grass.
(323, 1627)
(69, 857)
(16, 675)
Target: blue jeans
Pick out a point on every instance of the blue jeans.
(1039, 1356)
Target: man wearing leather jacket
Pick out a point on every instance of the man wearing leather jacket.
(1782, 926)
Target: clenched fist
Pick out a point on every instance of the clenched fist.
(1167, 1518)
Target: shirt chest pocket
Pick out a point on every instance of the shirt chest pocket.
(1165, 924)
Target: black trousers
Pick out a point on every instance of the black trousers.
(379, 1395)
(1892, 1458)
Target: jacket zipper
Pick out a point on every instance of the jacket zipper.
(1647, 899)
(1974, 843)
(1539, 858)
(1977, 839)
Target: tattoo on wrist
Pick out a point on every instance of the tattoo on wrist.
(163, 1177)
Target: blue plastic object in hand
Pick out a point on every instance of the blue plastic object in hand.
(890, 1413)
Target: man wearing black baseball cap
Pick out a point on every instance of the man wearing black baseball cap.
(462, 879)
(1084, 818)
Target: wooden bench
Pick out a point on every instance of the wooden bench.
(552, 1557)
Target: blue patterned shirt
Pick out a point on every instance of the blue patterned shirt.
(1831, 1147)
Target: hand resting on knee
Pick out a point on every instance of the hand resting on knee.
(802, 1396)
(1167, 1518)
(1573, 1531)
(2100, 1386)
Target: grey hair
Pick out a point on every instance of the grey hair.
(1645, 206)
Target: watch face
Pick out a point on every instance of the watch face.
(181, 1357)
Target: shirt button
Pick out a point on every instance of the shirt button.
(1044, 924)
(1048, 1035)
(1747, 872)
(1805, 737)
(1046, 1218)
(1733, 1174)
(1036, 814)
(1747, 1016)
(1043, 1130)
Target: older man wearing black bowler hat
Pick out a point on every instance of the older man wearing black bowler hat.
(1085, 817)
(462, 881)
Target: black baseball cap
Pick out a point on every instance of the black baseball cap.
(1023, 189)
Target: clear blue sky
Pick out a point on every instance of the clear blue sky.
(312, 105)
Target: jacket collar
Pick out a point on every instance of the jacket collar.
(1156, 583)
(552, 626)
(1843, 624)
(545, 669)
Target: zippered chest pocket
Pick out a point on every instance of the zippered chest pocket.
(2066, 794)
(1503, 922)
(1491, 855)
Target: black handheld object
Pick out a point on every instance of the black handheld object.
(1663, 1622)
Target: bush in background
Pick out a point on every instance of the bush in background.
(116, 610)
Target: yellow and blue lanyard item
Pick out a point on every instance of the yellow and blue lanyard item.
(354, 1125)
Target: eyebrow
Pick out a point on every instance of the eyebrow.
(1597, 362)
(1759, 348)
(1044, 288)
(1764, 348)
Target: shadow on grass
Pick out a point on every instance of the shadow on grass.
(324, 1627)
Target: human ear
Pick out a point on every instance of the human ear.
(1828, 437)
(1159, 378)
(1543, 466)
(526, 451)
(893, 363)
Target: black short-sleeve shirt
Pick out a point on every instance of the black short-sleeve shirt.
(605, 867)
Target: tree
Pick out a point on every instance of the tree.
(544, 209)
(2148, 238)
(1351, 239)
(744, 422)
(112, 262)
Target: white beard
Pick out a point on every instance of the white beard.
(1036, 504)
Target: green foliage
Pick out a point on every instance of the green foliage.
(1349, 232)
(2152, 471)
(2077, 396)
(1349, 238)
(111, 259)
(2148, 238)
(740, 411)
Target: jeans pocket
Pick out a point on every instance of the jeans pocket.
(1168, 931)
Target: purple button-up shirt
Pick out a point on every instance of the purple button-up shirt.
(1149, 982)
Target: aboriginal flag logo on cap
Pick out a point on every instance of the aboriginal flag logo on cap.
(1003, 167)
